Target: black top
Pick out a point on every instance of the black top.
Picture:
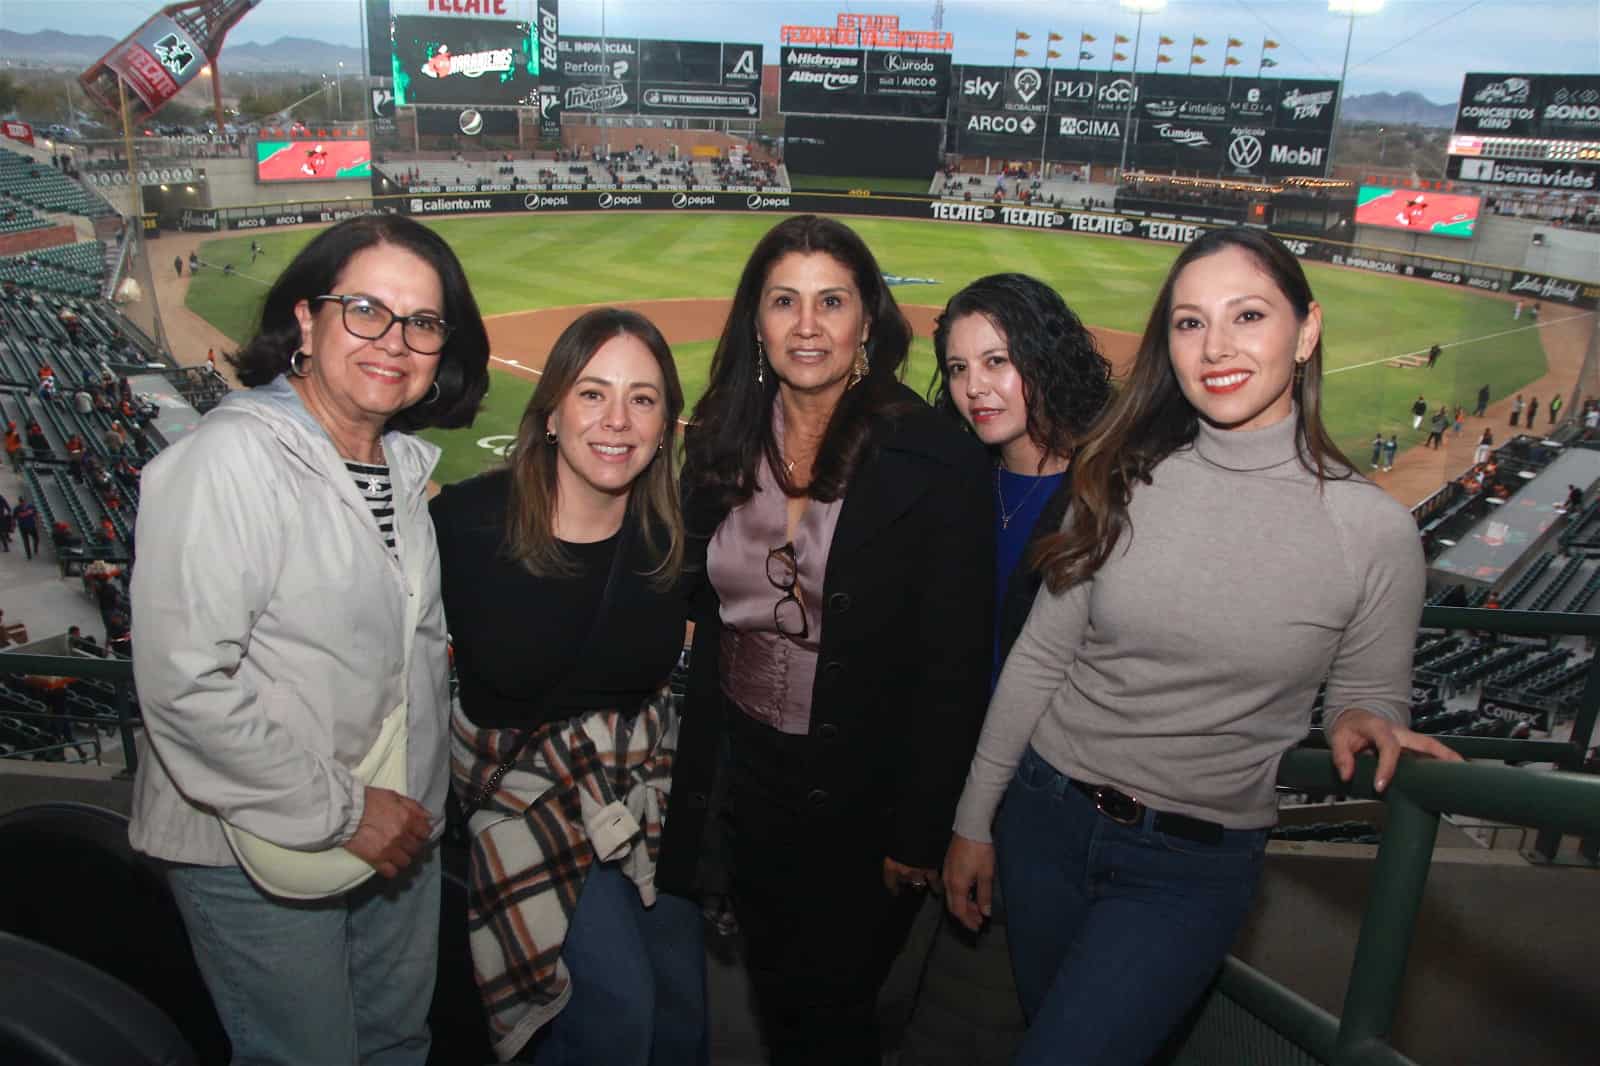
(516, 635)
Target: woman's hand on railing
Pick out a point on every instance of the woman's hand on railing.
(1356, 730)
(969, 881)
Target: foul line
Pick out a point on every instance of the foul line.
(1457, 344)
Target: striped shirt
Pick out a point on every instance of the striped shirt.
(375, 487)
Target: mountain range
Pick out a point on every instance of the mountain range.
(51, 48)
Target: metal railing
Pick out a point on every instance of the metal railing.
(119, 672)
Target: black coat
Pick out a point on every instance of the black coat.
(903, 668)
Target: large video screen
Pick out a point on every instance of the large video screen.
(313, 160)
(1417, 210)
(465, 61)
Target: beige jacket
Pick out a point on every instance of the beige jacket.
(273, 632)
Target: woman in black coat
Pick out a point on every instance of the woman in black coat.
(843, 636)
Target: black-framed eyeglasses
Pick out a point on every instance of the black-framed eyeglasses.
(789, 613)
(370, 320)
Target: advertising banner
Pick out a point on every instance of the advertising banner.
(691, 79)
(313, 160)
(468, 121)
(1541, 106)
(1526, 174)
(1006, 90)
(157, 60)
(464, 61)
(1417, 211)
(17, 131)
(549, 70)
(380, 50)
(850, 82)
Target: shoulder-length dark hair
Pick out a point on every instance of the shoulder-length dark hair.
(733, 420)
(653, 497)
(463, 373)
(1151, 418)
(1066, 382)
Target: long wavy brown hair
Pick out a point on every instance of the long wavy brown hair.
(1151, 418)
(652, 499)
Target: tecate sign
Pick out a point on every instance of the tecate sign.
(1029, 216)
(1110, 225)
(683, 199)
(947, 212)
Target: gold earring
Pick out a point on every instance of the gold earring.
(859, 370)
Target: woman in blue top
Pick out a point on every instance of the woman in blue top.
(1026, 376)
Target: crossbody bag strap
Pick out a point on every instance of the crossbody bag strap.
(475, 802)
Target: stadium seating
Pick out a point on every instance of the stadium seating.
(433, 175)
(73, 269)
(45, 187)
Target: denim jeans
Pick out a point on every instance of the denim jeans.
(1115, 930)
(332, 982)
(638, 982)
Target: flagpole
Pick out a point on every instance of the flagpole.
(1079, 64)
(1127, 114)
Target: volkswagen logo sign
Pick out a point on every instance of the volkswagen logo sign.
(604, 201)
(754, 202)
(1245, 151)
(531, 201)
(680, 199)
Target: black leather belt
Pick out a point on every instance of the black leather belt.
(1124, 809)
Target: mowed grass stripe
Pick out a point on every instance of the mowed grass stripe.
(533, 261)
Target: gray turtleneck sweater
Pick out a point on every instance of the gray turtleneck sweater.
(1185, 668)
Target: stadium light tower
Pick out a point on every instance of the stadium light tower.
(1142, 7)
(1351, 8)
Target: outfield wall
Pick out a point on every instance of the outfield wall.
(1504, 240)
(1511, 279)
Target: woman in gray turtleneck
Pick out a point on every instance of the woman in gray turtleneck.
(1219, 560)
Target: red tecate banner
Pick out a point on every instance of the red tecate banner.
(17, 131)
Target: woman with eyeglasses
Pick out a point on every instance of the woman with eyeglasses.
(842, 637)
(1220, 560)
(287, 603)
(561, 586)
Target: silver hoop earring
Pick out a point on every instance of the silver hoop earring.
(549, 437)
(433, 395)
(761, 362)
(297, 364)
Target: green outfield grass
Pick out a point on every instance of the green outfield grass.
(522, 262)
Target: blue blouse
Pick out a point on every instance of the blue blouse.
(1019, 501)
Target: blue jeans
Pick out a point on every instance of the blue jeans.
(1115, 930)
(638, 982)
(333, 982)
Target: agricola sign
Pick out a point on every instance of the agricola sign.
(869, 31)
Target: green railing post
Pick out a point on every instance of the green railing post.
(1398, 879)
(127, 714)
(1548, 842)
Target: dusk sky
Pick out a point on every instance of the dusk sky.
(1423, 45)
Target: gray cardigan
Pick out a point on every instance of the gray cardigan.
(1183, 670)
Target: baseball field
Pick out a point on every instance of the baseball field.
(529, 272)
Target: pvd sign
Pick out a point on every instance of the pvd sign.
(1245, 151)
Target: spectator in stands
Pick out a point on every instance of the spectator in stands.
(522, 553)
(38, 443)
(83, 403)
(62, 536)
(108, 531)
(1480, 454)
(47, 389)
(1419, 411)
(115, 438)
(1574, 502)
(370, 334)
(7, 524)
(1122, 681)
(830, 501)
(14, 446)
(1516, 410)
(27, 520)
(1017, 367)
